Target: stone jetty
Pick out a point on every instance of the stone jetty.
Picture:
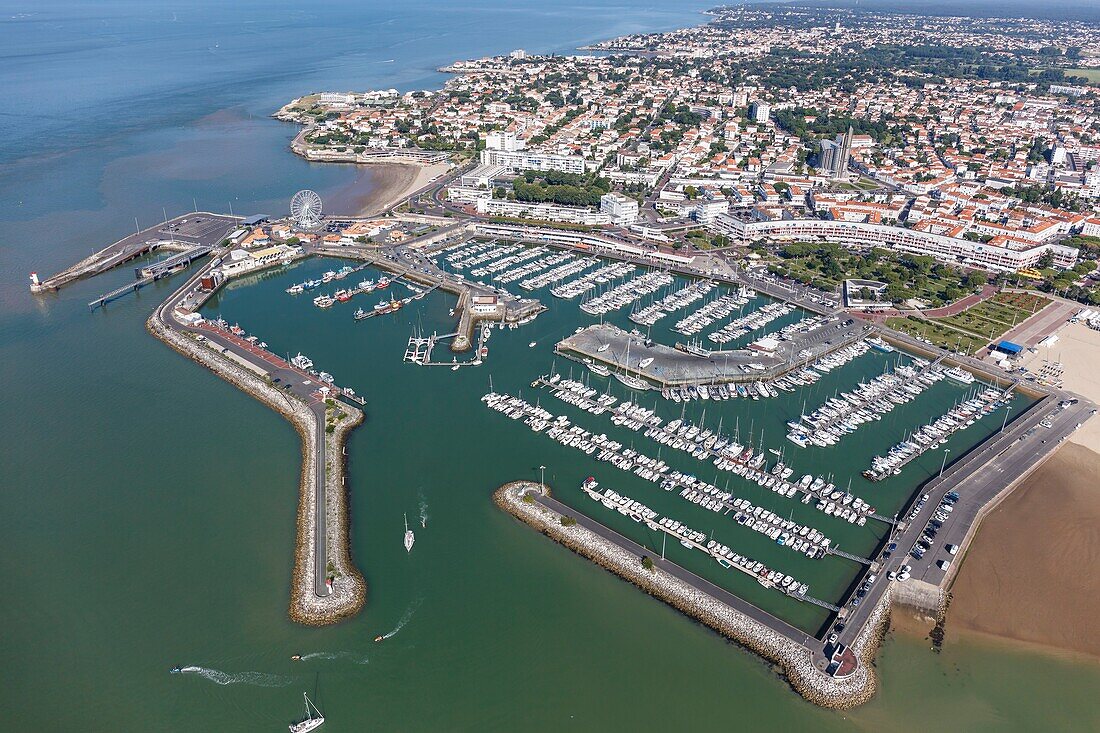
(796, 661)
(349, 590)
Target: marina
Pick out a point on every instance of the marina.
(813, 512)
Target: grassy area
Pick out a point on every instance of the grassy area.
(973, 322)
(937, 333)
(1092, 75)
(998, 314)
(862, 184)
(1025, 302)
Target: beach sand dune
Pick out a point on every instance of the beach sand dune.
(1031, 572)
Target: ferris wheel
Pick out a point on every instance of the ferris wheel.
(305, 209)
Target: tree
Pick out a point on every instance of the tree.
(647, 563)
(1046, 260)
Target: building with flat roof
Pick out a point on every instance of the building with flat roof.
(623, 210)
(1000, 254)
(516, 161)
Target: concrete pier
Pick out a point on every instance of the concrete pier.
(181, 234)
(608, 344)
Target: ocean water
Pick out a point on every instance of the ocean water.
(149, 507)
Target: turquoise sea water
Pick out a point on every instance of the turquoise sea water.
(149, 507)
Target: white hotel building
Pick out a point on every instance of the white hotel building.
(523, 160)
(1012, 256)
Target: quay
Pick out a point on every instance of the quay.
(671, 367)
(476, 302)
(183, 233)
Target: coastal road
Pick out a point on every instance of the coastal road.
(701, 585)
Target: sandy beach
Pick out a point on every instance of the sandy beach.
(380, 185)
(1078, 349)
(1030, 573)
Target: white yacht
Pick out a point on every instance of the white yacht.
(410, 538)
(311, 722)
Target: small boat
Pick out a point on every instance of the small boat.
(380, 638)
(645, 362)
(175, 670)
(600, 369)
(310, 723)
(455, 367)
(603, 348)
(410, 538)
(531, 345)
(296, 658)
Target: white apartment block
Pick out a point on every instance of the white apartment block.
(953, 250)
(623, 210)
(529, 160)
(487, 206)
(501, 140)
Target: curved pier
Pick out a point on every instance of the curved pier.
(326, 587)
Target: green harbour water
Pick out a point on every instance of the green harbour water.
(150, 507)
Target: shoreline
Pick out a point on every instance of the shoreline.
(795, 662)
(385, 185)
(349, 588)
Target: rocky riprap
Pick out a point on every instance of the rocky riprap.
(349, 590)
(795, 661)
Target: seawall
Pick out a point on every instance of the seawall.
(349, 589)
(794, 660)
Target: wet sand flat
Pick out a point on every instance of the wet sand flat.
(1030, 574)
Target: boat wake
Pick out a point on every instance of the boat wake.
(256, 679)
(327, 656)
(423, 511)
(404, 619)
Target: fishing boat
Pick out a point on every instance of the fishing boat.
(360, 314)
(410, 538)
(323, 301)
(311, 722)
